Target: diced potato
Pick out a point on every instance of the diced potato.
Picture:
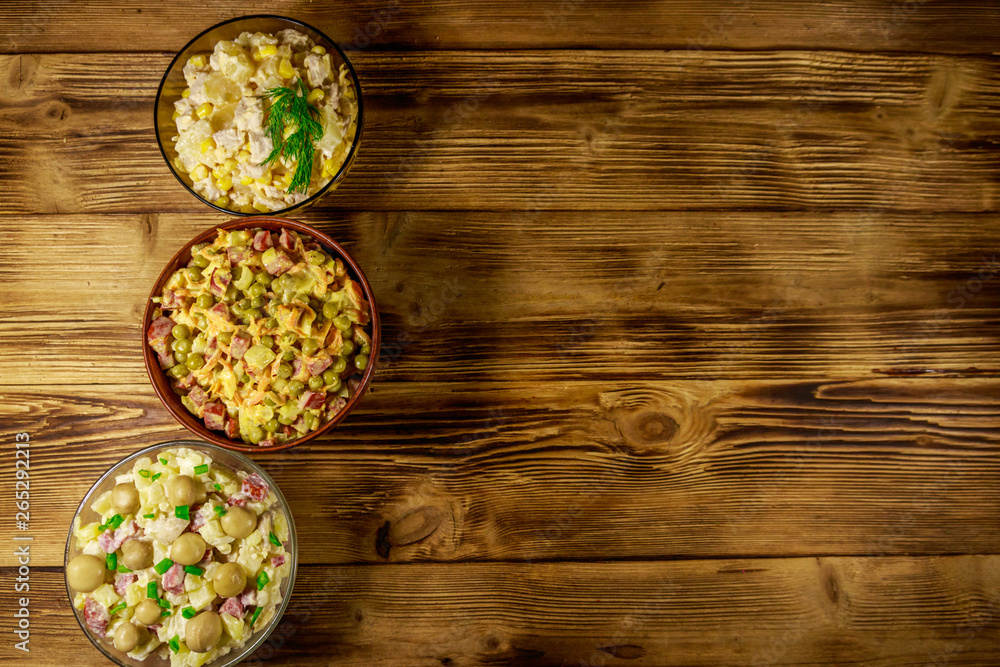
(106, 595)
(201, 597)
(234, 627)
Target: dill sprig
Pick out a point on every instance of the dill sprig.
(289, 108)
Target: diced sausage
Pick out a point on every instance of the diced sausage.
(300, 425)
(278, 264)
(286, 240)
(198, 518)
(186, 382)
(123, 581)
(239, 499)
(239, 344)
(237, 254)
(221, 311)
(232, 607)
(335, 404)
(197, 396)
(112, 540)
(255, 487)
(173, 579)
(220, 281)
(319, 363)
(96, 616)
(158, 332)
(262, 240)
(165, 360)
(215, 415)
(278, 560)
(269, 442)
(232, 428)
(311, 400)
(248, 597)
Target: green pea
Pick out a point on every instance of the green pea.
(348, 348)
(285, 421)
(205, 301)
(179, 371)
(252, 314)
(194, 274)
(309, 347)
(316, 258)
(256, 290)
(342, 322)
(195, 361)
(182, 345)
(267, 341)
(330, 311)
(201, 262)
(335, 385)
(272, 425)
(288, 355)
(339, 365)
(257, 302)
(264, 278)
(271, 323)
(231, 294)
(180, 331)
(226, 337)
(295, 387)
(201, 322)
(245, 379)
(210, 251)
(312, 421)
(180, 357)
(288, 338)
(255, 434)
(366, 349)
(316, 382)
(329, 376)
(243, 303)
(237, 309)
(361, 362)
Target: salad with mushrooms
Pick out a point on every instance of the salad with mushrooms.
(186, 562)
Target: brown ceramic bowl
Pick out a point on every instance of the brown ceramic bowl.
(161, 383)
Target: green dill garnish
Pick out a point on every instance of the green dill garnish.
(288, 108)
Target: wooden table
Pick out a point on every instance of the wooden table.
(690, 315)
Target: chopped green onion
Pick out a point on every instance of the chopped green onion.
(156, 476)
(194, 569)
(163, 565)
(123, 569)
(165, 612)
(262, 580)
(274, 539)
(188, 612)
(182, 511)
(175, 643)
(220, 510)
(149, 516)
(201, 470)
(117, 608)
(166, 605)
(163, 461)
(111, 560)
(256, 613)
(218, 487)
(151, 591)
(116, 521)
(144, 473)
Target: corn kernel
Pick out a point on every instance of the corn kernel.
(222, 201)
(285, 69)
(243, 156)
(220, 171)
(207, 144)
(199, 173)
(266, 51)
(315, 95)
(287, 179)
(196, 61)
(225, 182)
(186, 93)
(177, 114)
(246, 180)
(261, 207)
(203, 110)
(230, 164)
(318, 50)
(265, 179)
(290, 130)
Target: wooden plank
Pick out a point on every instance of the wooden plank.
(532, 131)
(581, 470)
(489, 296)
(883, 612)
(921, 25)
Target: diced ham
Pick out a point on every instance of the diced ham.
(221, 311)
(154, 627)
(158, 332)
(238, 254)
(278, 560)
(186, 382)
(173, 300)
(198, 518)
(239, 499)
(165, 360)
(207, 558)
(286, 240)
(112, 540)
(262, 240)
(255, 487)
(319, 363)
(123, 581)
(288, 431)
(300, 425)
(311, 400)
(232, 428)
(248, 597)
(220, 281)
(232, 607)
(197, 396)
(214, 416)
(213, 345)
(335, 404)
(278, 264)
(266, 443)
(239, 344)
(173, 579)
(96, 616)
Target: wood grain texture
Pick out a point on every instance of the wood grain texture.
(583, 470)
(872, 25)
(881, 612)
(584, 130)
(469, 296)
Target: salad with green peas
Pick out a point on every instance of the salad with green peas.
(262, 334)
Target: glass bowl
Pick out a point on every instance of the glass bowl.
(161, 383)
(234, 461)
(173, 84)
